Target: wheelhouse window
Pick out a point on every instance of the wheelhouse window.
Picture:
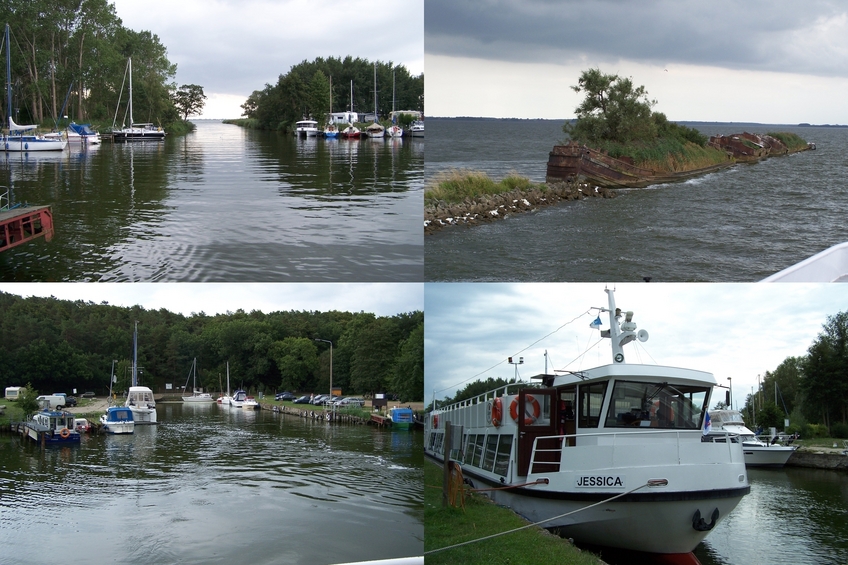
(656, 405)
(502, 458)
(591, 398)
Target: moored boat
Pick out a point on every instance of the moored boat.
(416, 129)
(140, 398)
(136, 131)
(306, 128)
(53, 427)
(82, 133)
(626, 436)
(830, 265)
(196, 395)
(402, 418)
(118, 420)
(728, 425)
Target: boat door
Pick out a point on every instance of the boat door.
(537, 417)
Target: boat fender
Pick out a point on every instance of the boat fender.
(497, 412)
(701, 525)
(436, 422)
(529, 417)
(65, 433)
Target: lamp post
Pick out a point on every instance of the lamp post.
(331, 363)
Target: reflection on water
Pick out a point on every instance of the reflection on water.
(212, 484)
(224, 204)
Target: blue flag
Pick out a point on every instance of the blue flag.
(596, 323)
(707, 424)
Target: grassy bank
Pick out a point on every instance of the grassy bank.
(667, 155)
(480, 518)
(792, 141)
(456, 185)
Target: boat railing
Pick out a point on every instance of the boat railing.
(550, 454)
(473, 412)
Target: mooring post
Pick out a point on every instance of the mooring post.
(447, 464)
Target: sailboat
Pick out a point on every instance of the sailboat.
(135, 132)
(330, 130)
(351, 131)
(140, 398)
(375, 129)
(225, 398)
(16, 140)
(117, 419)
(395, 130)
(195, 396)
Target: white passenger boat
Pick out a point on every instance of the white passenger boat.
(830, 265)
(728, 424)
(416, 129)
(118, 420)
(622, 430)
(306, 128)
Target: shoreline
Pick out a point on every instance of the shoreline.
(488, 208)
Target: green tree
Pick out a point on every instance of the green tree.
(408, 378)
(190, 100)
(825, 373)
(27, 401)
(297, 360)
(612, 110)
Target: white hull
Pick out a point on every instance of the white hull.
(201, 397)
(395, 131)
(831, 265)
(143, 415)
(33, 143)
(140, 401)
(117, 427)
(767, 456)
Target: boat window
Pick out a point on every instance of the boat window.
(469, 450)
(478, 450)
(537, 408)
(591, 398)
(489, 455)
(504, 451)
(437, 442)
(656, 405)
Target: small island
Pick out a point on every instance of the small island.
(616, 141)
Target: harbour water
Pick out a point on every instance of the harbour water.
(211, 484)
(736, 225)
(223, 204)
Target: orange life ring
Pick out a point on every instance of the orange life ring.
(65, 433)
(436, 422)
(497, 412)
(529, 417)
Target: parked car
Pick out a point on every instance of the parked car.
(284, 396)
(350, 401)
(88, 395)
(330, 400)
(302, 400)
(319, 399)
(70, 401)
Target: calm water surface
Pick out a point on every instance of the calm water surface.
(215, 485)
(223, 204)
(737, 225)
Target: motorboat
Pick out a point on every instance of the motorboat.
(118, 420)
(611, 456)
(53, 427)
(240, 399)
(306, 128)
(82, 133)
(195, 396)
(401, 418)
(728, 424)
(830, 265)
(416, 128)
(331, 131)
(351, 132)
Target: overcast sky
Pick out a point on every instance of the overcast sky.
(755, 61)
(233, 47)
(385, 299)
(731, 330)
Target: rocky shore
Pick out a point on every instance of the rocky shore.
(488, 208)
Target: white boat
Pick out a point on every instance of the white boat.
(140, 398)
(17, 139)
(374, 129)
(351, 131)
(621, 430)
(196, 396)
(394, 130)
(240, 399)
(416, 129)
(331, 131)
(135, 131)
(82, 133)
(830, 265)
(118, 420)
(306, 128)
(225, 398)
(728, 424)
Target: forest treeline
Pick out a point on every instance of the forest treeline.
(77, 51)
(61, 345)
(305, 92)
(810, 390)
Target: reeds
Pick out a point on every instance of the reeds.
(455, 185)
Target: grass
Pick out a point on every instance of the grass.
(792, 141)
(455, 185)
(444, 526)
(667, 154)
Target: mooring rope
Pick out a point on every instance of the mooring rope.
(653, 482)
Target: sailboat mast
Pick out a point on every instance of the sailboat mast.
(131, 114)
(375, 92)
(8, 78)
(135, 356)
(393, 97)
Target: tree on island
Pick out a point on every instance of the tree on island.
(189, 100)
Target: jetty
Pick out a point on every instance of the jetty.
(23, 224)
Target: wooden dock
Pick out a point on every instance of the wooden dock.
(20, 225)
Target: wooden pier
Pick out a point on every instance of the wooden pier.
(20, 225)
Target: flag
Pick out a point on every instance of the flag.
(596, 323)
(707, 425)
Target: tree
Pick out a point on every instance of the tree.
(27, 400)
(189, 100)
(825, 370)
(297, 359)
(613, 110)
(408, 378)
